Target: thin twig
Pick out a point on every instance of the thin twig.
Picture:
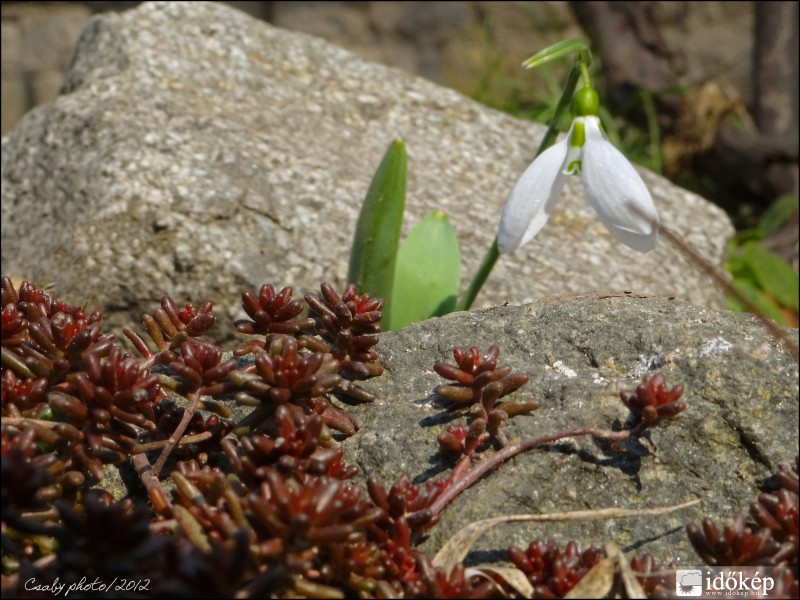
(189, 439)
(178, 433)
(150, 481)
(514, 448)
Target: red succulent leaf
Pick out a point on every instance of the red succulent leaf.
(553, 572)
(349, 325)
(652, 401)
(272, 312)
(480, 383)
(737, 544)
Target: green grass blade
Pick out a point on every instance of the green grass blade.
(428, 272)
(374, 252)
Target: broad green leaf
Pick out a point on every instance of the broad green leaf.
(740, 268)
(374, 251)
(744, 237)
(763, 303)
(558, 50)
(773, 274)
(428, 272)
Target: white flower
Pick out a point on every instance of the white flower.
(614, 188)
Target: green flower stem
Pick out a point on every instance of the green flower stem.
(549, 138)
(585, 74)
(480, 277)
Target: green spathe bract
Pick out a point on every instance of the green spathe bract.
(558, 50)
(374, 251)
(428, 272)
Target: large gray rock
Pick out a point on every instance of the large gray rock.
(579, 351)
(196, 151)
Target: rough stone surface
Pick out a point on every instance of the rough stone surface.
(197, 152)
(579, 351)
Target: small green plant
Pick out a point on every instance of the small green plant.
(761, 276)
(421, 279)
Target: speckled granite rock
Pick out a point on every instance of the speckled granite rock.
(579, 352)
(197, 152)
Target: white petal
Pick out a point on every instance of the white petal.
(617, 192)
(532, 200)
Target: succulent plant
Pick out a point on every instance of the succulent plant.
(272, 313)
(349, 325)
(552, 571)
(479, 384)
(266, 507)
(652, 402)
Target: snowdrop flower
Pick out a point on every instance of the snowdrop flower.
(614, 188)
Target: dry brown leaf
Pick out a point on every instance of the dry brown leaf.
(633, 589)
(459, 545)
(597, 583)
(191, 527)
(510, 575)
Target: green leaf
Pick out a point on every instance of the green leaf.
(558, 50)
(763, 303)
(428, 272)
(773, 274)
(377, 236)
(740, 268)
(743, 238)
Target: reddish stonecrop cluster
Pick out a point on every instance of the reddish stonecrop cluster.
(480, 383)
(652, 401)
(280, 519)
(265, 507)
(58, 368)
(773, 543)
(553, 572)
